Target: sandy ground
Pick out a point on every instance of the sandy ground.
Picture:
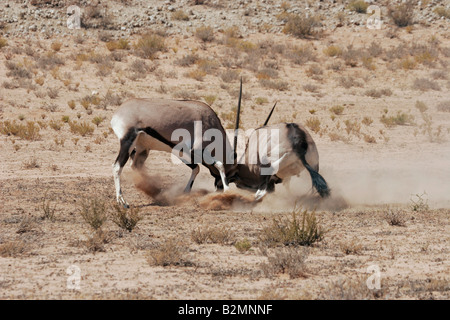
(55, 259)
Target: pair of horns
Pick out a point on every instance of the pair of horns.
(238, 113)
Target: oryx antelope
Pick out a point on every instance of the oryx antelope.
(149, 124)
(295, 151)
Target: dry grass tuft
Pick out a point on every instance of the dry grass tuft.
(300, 228)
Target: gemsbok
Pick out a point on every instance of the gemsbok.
(193, 133)
(155, 124)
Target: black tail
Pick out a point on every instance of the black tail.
(318, 181)
(297, 137)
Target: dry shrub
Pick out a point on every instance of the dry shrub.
(358, 6)
(56, 46)
(350, 289)
(170, 253)
(220, 235)
(229, 75)
(289, 261)
(49, 61)
(279, 85)
(125, 218)
(18, 70)
(337, 110)
(424, 84)
(180, 15)
(403, 14)
(301, 55)
(187, 60)
(3, 42)
(196, 74)
(81, 128)
(243, 245)
(378, 93)
(94, 212)
(333, 51)
(300, 228)
(12, 248)
(96, 241)
(148, 45)
(351, 247)
(313, 124)
(444, 106)
(301, 26)
(28, 131)
(442, 12)
(395, 218)
(205, 33)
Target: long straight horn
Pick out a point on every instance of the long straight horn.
(270, 114)
(236, 128)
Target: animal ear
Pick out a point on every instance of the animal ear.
(236, 128)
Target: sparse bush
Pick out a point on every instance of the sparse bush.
(403, 14)
(3, 42)
(301, 55)
(187, 60)
(169, 253)
(82, 128)
(444, 106)
(274, 84)
(148, 45)
(289, 261)
(243, 245)
(300, 229)
(442, 12)
(333, 51)
(93, 212)
(301, 26)
(309, 87)
(229, 75)
(28, 131)
(423, 84)
(210, 99)
(53, 93)
(205, 33)
(31, 163)
(219, 235)
(367, 121)
(12, 248)
(180, 15)
(17, 70)
(378, 93)
(351, 247)
(314, 124)
(48, 212)
(261, 100)
(56, 46)
(337, 110)
(421, 106)
(395, 218)
(358, 6)
(125, 218)
(401, 119)
(196, 74)
(419, 203)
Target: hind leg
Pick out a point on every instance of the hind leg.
(195, 170)
(121, 160)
